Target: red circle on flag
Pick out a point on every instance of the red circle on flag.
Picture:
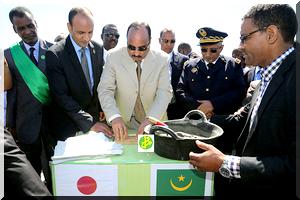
(86, 185)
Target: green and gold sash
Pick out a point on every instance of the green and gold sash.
(36, 81)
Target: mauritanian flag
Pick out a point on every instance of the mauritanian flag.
(83, 179)
(180, 180)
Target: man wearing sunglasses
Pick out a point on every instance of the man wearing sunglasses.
(177, 60)
(135, 83)
(213, 84)
(110, 37)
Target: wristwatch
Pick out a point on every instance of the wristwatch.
(224, 169)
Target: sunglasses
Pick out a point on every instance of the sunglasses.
(133, 48)
(111, 35)
(244, 37)
(212, 50)
(167, 41)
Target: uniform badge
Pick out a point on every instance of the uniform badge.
(238, 61)
(202, 32)
(194, 70)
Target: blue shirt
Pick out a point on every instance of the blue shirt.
(88, 57)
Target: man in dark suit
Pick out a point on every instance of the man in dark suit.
(27, 98)
(74, 67)
(263, 161)
(167, 42)
(213, 84)
(20, 179)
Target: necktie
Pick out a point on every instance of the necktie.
(139, 111)
(210, 65)
(31, 56)
(85, 69)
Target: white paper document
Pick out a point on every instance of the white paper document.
(89, 146)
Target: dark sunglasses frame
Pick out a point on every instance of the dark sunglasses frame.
(133, 48)
(212, 50)
(167, 41)
(110, 35)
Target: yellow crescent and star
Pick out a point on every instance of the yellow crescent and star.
(180, 179)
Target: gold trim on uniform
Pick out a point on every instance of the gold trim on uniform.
(202, 32)
(238, 61)
(194, 70)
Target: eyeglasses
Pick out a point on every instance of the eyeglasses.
(212, 50)
(133, 48)
(167, 41)
(244, 37)
(111, 35)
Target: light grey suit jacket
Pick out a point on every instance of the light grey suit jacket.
(118, 87)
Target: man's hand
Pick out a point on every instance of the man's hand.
(119, 129)
(142, 126)
(209, 161)
(101, 117)
(100, 127)
(206, 107)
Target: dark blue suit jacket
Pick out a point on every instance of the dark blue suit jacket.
(223, 85)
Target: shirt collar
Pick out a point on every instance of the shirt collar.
(268, 72)
(75, 45)
(212, 62)
(36, 45)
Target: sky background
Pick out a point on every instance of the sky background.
(184, 17)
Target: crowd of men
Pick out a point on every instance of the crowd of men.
(55, 91)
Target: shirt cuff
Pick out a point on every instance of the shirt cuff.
(113, 117)
(233, 163)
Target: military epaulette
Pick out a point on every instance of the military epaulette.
(186, 63)
(191, 62)
(223, 58)
(237, 60)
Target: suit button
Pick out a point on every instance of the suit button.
(226, 77)
(208, 77)
(207, 89)
(192, 79)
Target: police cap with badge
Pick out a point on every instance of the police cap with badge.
(209, 36)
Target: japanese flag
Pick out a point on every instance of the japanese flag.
(83, 179)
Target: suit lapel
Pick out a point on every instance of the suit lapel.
(202, 66)
(246, 128)
(148, 67)
(276, 82)
(41, 56)
(96, 72)
(130, 66)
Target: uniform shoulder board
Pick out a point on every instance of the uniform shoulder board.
(237, 60)
(223, 58)
(186, 63)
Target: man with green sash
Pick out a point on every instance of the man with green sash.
(29, 95)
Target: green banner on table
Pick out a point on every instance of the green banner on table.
(176, 182)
